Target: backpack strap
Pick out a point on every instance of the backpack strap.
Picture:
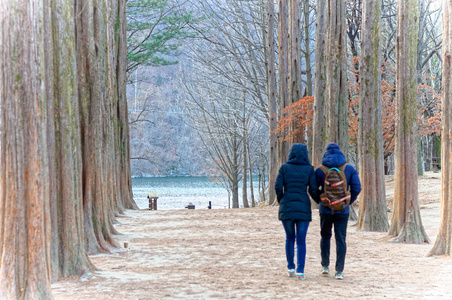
(324, 169)
(342, 169)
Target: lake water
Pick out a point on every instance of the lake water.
(177, 192)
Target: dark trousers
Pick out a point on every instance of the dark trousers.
(340, 231)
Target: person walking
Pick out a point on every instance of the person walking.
(295, 179)
(335, 159)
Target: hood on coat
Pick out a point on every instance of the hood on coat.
(298, 154)
(333, 156)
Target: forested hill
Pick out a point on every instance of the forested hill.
(161, 141)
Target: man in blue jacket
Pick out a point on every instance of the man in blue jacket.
(334, 158)
(295, 179)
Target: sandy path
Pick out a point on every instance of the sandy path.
(239, 254)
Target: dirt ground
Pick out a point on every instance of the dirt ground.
(239, 254)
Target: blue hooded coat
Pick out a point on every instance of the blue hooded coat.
(334, 158)
(295, 177)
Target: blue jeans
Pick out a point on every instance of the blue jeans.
(296, 230)
(340, 232)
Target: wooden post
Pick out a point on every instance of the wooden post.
(152, 196)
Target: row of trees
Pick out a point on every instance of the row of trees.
(253, 64)
(406, 223)
(65, 170)
(241, 45)
(225, 89)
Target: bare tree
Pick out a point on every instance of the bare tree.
(337, 99)
(406, 220)
(283, 71)
(443, 243)
(372, 202)
(217, 122)
(231, 58)
(319, 139)
(272, 96)
(295, 92)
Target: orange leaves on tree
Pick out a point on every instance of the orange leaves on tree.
(429, 111)
(299, 115)
(297, 118)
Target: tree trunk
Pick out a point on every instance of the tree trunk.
(234, 181)
(68, 248)
(123, 142)
(283, 72)
(307, 51)
(244, 175)
(337, 75)
(253, 202)
(271, 90)
(372, 199)
(443, 243)
(104, 130)
(319, 135)
(406, 221)
(294, 65)
(24, 192)
(307, 46)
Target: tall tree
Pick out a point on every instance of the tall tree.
(217, 122)
(294, 63)
(337, 99)
(406, 221)
(307, 52)
(272, 96)
(443, 243)
(283, 71)
(66, 185)
(233, 63)
(372, 200)
(43, 162)
(104, 130)
(24, 193)
(319, 124)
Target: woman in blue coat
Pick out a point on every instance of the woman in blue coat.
(296, 177)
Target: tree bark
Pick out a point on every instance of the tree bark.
(253, 201)
(307, 52)
(443, 243)
(103, 109)
(123, 143)
(337, 99)
(372, 199)
(68, 248)
(294, 65)
(319, 138)
(406, 221)
(271, 91)
(244, 156)
(283, 71)
(24, 192)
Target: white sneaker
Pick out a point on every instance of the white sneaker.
(339, 276)
(325, 271)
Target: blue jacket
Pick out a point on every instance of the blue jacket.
(334, 158)
(294, 178)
